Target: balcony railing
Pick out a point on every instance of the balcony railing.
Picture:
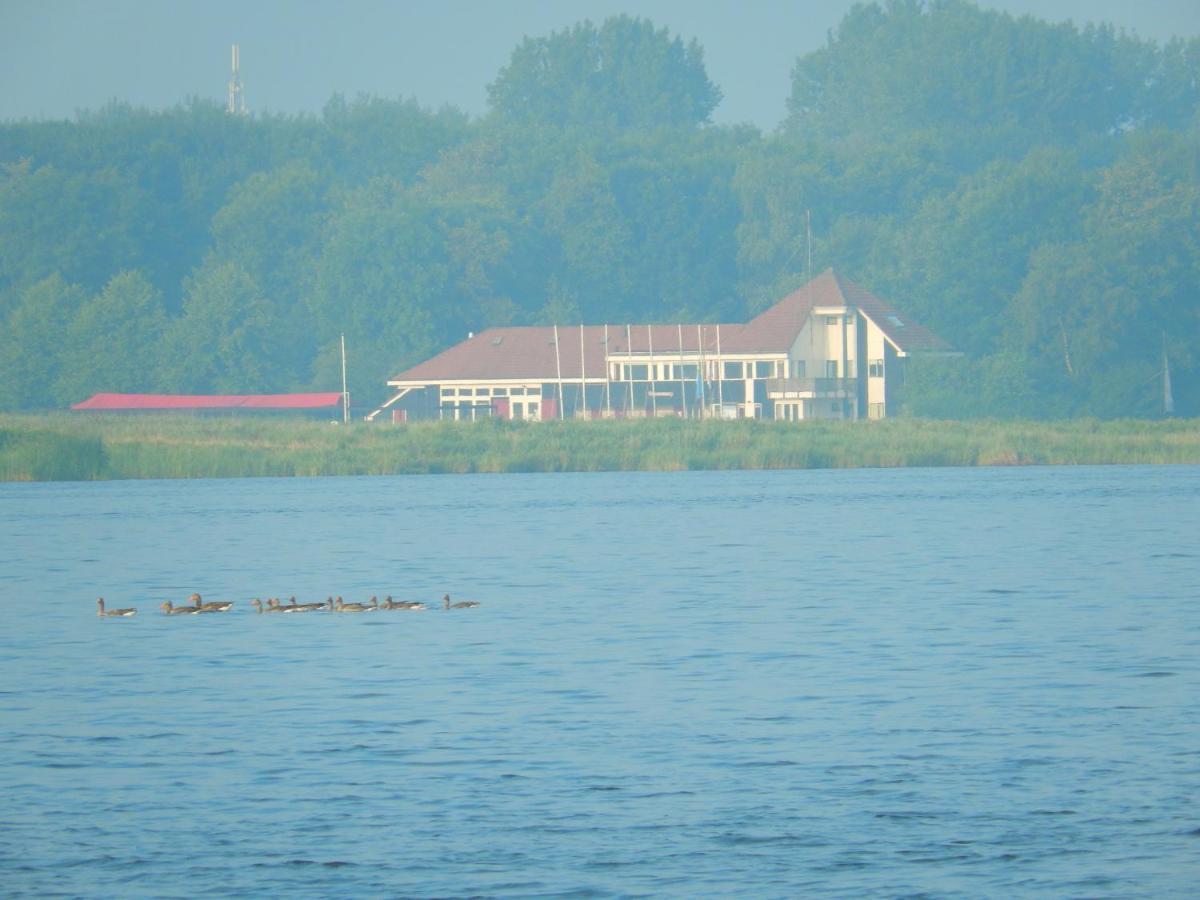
(777, 388)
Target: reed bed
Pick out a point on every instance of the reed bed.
(89, 447)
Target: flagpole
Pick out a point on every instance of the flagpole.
(345, 392)
(582, 375)
(607, 374)
(558, 369)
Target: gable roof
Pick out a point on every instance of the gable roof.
(510, 354)
(210, 401)
(776, 329)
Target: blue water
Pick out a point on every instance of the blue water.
(773, 684)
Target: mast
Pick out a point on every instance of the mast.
(558, 369)
(682, 380)
(582, 373)
(236, 105)
(607, 379)
(650, 371)
(720, 373)
(345, 392)
(700, 373)
(1168, 399)
(629, 353)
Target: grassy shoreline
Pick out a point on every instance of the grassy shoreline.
(70, 447)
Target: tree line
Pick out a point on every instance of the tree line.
(1029, 191)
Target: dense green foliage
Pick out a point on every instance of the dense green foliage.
(61, 447)
(1031, 192)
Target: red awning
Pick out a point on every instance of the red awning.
(210, 401)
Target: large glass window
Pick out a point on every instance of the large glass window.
(764, 369)
(639, 373)
(733, 370)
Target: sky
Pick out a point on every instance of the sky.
(58, 57)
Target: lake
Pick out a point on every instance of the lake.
(948, 682)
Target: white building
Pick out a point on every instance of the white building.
(831, 350)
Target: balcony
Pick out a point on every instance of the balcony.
(809, 388)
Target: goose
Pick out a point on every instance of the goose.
(354, 607)
(461, 604)
(213, 606)
(127, 611)
(302, 607)
(389, 603)
(171, 610)
(269, 608)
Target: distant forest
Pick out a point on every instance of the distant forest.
(1029, 191)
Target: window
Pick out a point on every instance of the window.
(533, 411)
(798, 368)
(447, 392)
(875, 368)
(483, 392)
(686, 372)
(875, 410)
(500, 392)
(518, 410)
(764, 369)
(833, 321)
(733, 370)
(831, 368)
(518, 392)
(639, 373)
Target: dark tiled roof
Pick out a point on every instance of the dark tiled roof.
(501, 354)
(905, 333)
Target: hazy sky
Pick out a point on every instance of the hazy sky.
(59, 56)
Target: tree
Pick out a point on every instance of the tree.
(624, 74)
(114, 341)
(224, 342)
(982, 78)
(383, 279)
(30, 357)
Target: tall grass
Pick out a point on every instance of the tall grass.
(75, 447)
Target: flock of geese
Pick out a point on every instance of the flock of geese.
(197, 606)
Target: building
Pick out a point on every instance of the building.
(830, 350)
(323, 403)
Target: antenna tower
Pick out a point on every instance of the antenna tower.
(237, 96)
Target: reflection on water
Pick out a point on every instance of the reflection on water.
(898, 681)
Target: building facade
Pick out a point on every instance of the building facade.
(830, 350)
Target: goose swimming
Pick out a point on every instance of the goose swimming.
(101, 611)
(171, 610)
(461, 604)
(295, 607)
(355, 607)
(389, 603)
(258, 605)
(213, 606)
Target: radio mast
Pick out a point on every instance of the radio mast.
(237, 96)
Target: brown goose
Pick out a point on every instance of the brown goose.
(269, 608)
(294, 607)
(101, 611)
(214, 606)
(171, 610)
(355, 607)
(461, 604)
(389, 603)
